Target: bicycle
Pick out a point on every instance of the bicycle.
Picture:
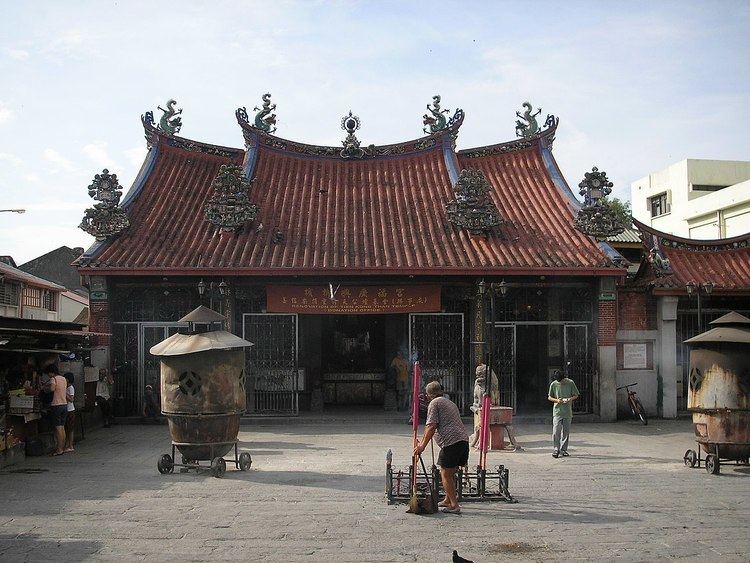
(635, 403)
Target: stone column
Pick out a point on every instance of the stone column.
(666, 321)
(607, 350)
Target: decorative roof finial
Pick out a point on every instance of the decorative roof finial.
(437, 121)
(230, 208)
(472, 209)
(597, 218)
(531, 127)
(170, 123)
(350, 123)
(106, 218)
(660, 263)
(264, 119)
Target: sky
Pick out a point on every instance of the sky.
(637, 85)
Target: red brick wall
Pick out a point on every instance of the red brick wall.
(99, 321)
(635, 311)
(607, 323)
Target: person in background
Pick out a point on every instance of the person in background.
(43, 389)
(104, 396)
(70, 418)
(59, 405)
(401, 367)
(150, 405)
(562, 393)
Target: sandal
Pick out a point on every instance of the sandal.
(66, 450)
(448, 510)
(53, 454)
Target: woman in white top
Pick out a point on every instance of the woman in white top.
(70, 394)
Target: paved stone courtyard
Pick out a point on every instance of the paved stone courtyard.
(316, 493)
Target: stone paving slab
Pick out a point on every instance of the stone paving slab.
(315, 493)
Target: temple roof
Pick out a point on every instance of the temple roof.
(723, 262)
(319, 212)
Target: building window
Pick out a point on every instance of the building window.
(9, 294)
(32, 297)
(707, 188)
(658, 205)
(49, 300)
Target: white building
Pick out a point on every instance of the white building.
(25, 296)
(698, 199)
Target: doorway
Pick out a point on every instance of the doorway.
(532, 366)
(353, 359)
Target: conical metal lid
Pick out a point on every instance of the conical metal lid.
(203, 315)
(738, 335)
(180, 344)
(732, 318)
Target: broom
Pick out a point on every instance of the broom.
(417, 505)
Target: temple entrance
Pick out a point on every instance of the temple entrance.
(354, 359)
(534, 365)
(527, 354)
(351, 357)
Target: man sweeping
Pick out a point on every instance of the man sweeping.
(444, 422)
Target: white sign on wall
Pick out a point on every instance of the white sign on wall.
(634, 355)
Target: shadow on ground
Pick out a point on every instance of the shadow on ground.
(281, 446)
(336, 481)
(24, 547)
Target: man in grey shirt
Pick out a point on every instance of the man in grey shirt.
(444, 422)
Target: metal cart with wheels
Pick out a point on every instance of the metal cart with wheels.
(218, 463)
(719, 393)
(203, 394)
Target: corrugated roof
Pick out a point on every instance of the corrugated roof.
(384, 214)
(725, 262)
(12, 273)
(629, 235)
(72, 295)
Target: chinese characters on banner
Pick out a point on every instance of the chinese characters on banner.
(353, 300)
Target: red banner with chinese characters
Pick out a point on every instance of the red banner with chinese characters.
(352, 300)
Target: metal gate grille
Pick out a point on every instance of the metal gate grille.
(579, 365)
(273, 378)
(437, 339)
(125, 366)
(134, 366)
(504, 364)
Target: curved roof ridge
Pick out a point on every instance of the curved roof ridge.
(155, 137)
(545, 137)
(688, 242)
(253, 134)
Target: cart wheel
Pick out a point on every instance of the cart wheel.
(218, 466)
(245, 461)
(165, 464)
(712, 464)
(690, 458)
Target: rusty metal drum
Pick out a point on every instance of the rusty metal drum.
(203, 396)
(719, 387)
(203, 388)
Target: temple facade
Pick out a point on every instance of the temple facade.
(335, 261)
